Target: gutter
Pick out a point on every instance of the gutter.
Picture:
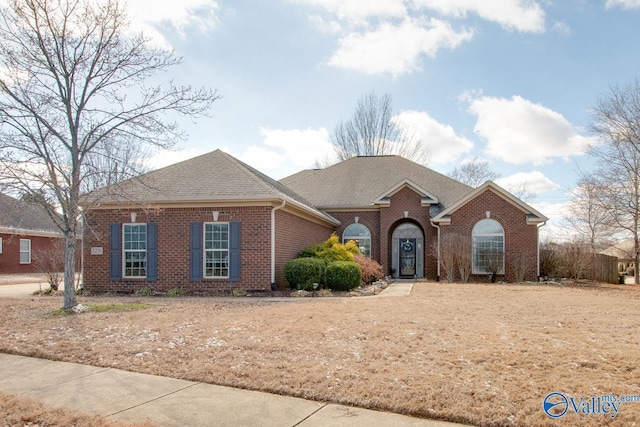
(542, 224)
(438, 227)
(273, 243)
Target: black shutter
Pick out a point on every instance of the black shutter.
(115, 248)
(196, 251)
(234, 251)
(152, 251)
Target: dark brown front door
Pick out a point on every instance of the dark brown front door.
(407, 257)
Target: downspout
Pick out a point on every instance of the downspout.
(538, 254)
(273, 243)
(438, 227)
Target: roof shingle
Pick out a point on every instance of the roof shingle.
(358, 181)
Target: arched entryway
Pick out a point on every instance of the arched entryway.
(407, 251)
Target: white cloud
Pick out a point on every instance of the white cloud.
(148, 14)
(521, 15)
(519, 131)
(440, 140)
(287, 151)
(553, 230)
(359, 11)
(625, 4)
(396, 49)
(325, 26)
(535, 182)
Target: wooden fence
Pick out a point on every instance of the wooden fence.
(602, 268)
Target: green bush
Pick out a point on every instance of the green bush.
(302, 273)
(175, 292)
(343, 275)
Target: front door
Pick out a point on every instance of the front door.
(407, 258)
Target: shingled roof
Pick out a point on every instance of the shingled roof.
(359, 181)
(212, 177)
(23, 216)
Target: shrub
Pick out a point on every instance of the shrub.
(331, 250)
(343, 275)
(302, 273)
(144, 292)
(371, 270)
(175, 292)
(238, 292)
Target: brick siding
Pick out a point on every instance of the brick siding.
(174, 247)
(519, 238)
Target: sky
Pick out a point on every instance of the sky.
(509, 81)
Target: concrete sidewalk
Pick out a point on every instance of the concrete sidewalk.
(399, 288)
(132, 397)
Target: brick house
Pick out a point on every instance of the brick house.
(214, 223)
(26, 230)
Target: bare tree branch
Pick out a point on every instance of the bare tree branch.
(76, 109)
(372, 131)
(474, 172)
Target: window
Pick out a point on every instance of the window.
(359, 234)
(0, 245)
(488, 247)
(216, 250)
(25, 251)
(134, 243)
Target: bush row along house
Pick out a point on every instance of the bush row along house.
(214, 223)
(26, 231)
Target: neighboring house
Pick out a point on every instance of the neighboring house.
(26, 230)
(213, 222)
(625, 252)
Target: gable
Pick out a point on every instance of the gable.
(426, 198)
(532, 215)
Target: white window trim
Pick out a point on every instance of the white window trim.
(346, 238)
(124, 251)
(205, 250)
(474, 268)
(0, 245)
(28, 252)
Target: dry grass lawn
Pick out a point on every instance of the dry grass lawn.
(485, 355)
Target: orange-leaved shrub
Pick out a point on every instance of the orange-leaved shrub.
(371, 270)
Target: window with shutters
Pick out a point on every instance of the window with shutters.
(216, 250)
(134, 249)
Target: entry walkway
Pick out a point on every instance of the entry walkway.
(399, 288)
(133, 397)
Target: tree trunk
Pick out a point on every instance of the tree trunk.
(69, 271)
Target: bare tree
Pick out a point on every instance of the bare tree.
(521, 191)
(464, 257)
(521, 264)
(49, 261)
(616, 178)
(575, 257)
(445, 252)
(373, 131)
(588, 218)
(76, 106)
(474, 172)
